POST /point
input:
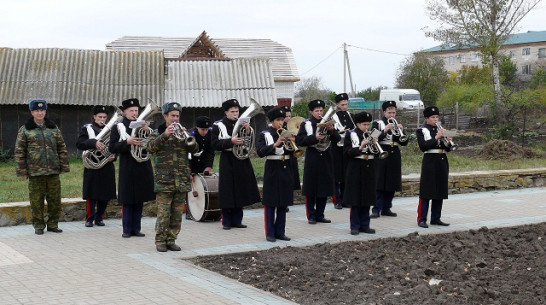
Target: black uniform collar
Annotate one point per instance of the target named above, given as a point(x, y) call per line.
point(30, 124)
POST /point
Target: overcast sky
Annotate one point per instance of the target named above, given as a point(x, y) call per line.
point(315, 30)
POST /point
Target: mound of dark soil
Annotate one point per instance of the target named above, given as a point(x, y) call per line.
point(505, 150)
point(498, 266)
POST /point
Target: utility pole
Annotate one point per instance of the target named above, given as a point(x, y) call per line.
point(347, 67)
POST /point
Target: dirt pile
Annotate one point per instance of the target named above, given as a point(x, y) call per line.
point(505, 150)
point(497, 266)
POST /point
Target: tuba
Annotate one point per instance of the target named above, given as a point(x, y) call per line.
point(95, 158)
point(242, 151)
point(445, 140)
point(181, 134)
point(374, 147)
point(139, 152)
point(396, 131)
point(322, 128)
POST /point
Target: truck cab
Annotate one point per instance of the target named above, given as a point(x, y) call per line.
point(404, 98)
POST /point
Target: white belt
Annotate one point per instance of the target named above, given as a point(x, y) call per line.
point(364, 157)
point(278, 157)
point(389, 143)
point(229, 149)
point(435, 151)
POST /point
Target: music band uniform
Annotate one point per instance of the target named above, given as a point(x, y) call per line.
point(318, 174)
point(278, 179)
point(204, 157)
point(99, 185)
point(344, 123)
point(237, 185)
point(41, 156)
point(433, 183)
point(389, 169)
point(293, 160)
point(172, 180)
point(361, 181)
point(136, 179)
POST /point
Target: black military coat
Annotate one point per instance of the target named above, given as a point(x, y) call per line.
point(278, 174)
point(389, 170)
point(344, 122)
point(318, 172)
point(435, 167)
point(294, 165)
point(136, 179)
point(360, 180)
point(237, 185)
point(98, 184)
point(205, 154)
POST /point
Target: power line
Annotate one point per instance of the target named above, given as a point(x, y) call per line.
point(379, 51)
point(321, 61)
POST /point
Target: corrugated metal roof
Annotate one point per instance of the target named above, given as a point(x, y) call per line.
point(282, 62)
point(520, 38)
point(80, 77)
point(208, 83)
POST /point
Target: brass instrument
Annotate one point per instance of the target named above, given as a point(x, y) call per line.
point(293, 125)
point(181, 134)
point(95, 158)
point(322, 128)
point(289, 145)
point(447, 142)
point(139, 152)
point(374, 147)
point(242, 151)
point(396, 131)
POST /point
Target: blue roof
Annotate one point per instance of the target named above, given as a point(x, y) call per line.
point(520, 38)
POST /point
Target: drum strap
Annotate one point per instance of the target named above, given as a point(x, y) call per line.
point(223, 131)
point(90, 131)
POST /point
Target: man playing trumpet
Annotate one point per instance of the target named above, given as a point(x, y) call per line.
point(389, 169)
point(172, 176)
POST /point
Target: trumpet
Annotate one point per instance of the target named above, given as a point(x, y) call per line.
point(181, 134)
point(396, 131)
point(374, 147)
point(447, 142)
point(289, 144)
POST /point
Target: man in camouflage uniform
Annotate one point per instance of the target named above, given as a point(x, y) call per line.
point(40, 156)
point(172, 178)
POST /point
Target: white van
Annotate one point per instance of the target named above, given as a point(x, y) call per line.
point(404, 98)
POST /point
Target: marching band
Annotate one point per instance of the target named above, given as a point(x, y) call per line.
point(352, 159)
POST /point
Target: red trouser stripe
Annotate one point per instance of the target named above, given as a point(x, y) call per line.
point(419, 216)
point(306, 210)
point(88, 208)
point(334, 199)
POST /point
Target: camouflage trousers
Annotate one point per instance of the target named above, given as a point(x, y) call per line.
point(169, 216)
point(48, 188)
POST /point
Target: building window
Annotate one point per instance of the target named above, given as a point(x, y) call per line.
point(474, 57)
point(451, 60)
point(526, 69)
point(462, 58)
point(526, 51)
point(541, 52)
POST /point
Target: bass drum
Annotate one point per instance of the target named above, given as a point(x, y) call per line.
point(204, 206)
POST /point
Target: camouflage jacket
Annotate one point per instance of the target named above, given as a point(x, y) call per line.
point(171, 163)
point(40, 150)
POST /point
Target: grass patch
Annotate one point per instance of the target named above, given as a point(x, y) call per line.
point(14, 189)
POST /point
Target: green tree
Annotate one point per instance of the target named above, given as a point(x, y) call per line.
point(311, 88)
point(424, 73)
point(481, 24)
point(539, 78)
point(371, 94)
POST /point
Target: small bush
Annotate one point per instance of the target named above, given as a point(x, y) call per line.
point(4, 155)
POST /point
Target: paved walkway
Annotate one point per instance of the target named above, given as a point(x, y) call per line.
point(97, 266)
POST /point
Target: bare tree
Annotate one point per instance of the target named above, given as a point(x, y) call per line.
point(481, 24)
